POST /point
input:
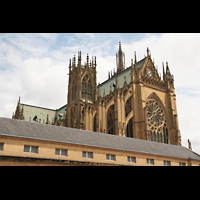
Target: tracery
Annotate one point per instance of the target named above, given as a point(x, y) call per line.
point(86, 88)
point(74, 88)
point(156, 121)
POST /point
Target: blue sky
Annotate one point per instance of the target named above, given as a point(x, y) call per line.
point(35, 67)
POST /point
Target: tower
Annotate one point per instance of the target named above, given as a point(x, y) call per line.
point(81, 92)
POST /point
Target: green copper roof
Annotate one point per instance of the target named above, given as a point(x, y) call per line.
point(31, 111)
point(122, 76)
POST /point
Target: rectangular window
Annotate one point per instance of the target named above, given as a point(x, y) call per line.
point(182, 164)
point(150, 161)
point(61, 152)
point(167, 163)
point(131, 159)
point(110, 157)
point(30, 149)
point(87, 154)
point(1, 146)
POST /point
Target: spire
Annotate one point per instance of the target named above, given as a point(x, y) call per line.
point(95, 62)
point(147, 51)
point(167, 69)
point(74, 61)
point(120, 47)
point(70, 65)
point(163, 71)
point(79, 58)
point(19, 101)
point(136, 67)
point(120, 59)
point(132, 63)
point(163, 68)
point(87, 59)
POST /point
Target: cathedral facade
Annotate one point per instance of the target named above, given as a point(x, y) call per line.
point(133, 102)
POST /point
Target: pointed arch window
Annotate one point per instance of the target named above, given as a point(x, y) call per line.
point(74, 88)
point(111, 120)
point(86, 88)
point(156, 121)
point(128, 106)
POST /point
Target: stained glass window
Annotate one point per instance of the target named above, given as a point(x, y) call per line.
point(156, 121)
point(86, 88)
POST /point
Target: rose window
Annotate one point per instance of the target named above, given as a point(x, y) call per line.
point(155, 114)
point(156, 121)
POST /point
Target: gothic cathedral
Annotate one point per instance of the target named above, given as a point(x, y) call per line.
point(133, 102)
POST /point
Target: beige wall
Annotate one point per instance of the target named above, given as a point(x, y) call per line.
point(14, 146)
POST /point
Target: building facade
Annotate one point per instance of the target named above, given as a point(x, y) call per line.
point(133, 102)
point(24, 143)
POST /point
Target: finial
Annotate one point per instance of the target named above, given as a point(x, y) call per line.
point(74, 61)
point(167, 68)
point(147, 51)
point(79, 58)
point(95, 61)
point(189, 145)
point(87, 59)
point(69, 62)
point(131, 62)
point(135, 57)
point(120, 47)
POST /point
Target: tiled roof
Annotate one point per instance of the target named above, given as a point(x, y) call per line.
point(35, 130)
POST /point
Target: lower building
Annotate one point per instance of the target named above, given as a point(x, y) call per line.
point(25, 143)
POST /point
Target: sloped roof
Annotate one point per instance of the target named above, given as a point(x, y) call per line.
point(33, 130)
point(32, 111)
point(127, 72)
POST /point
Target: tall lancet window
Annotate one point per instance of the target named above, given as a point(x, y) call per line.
point(111, 120)
point(87, 88)
point(156, 121)
point(74, 88)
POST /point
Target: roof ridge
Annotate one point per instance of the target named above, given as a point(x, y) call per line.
point(121, 72)
point(38, 107)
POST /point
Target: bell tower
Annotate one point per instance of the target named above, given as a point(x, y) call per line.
point(82, 89)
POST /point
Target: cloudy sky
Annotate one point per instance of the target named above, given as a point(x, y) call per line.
point(35, 67)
